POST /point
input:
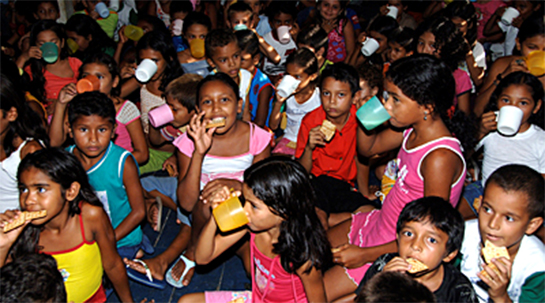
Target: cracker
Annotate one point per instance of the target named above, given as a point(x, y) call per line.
point(237, 300)
point(328, 129)
point(491, 251)
point(493, 267)
point(416, 266)
point(23, 217)
point(170, 170)
point(292, 145)
point(216, 122)
point(335, 250)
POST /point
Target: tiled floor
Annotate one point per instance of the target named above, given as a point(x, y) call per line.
point(222, 275)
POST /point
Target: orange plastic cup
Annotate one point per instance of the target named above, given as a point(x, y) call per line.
point(536, 63)
point(88, 84)
point(230, 215)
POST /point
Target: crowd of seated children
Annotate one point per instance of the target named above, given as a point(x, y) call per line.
point(443, 71)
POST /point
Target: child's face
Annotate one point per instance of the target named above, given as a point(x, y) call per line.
point(520, 96)
point(92, 134)
point(299, 73)
point(424, 242)
point(218, 100)
point(336, 98)
point(403, 110)
point(181, 115)
point(396, 52)
point(525, 8)
point(504, 218)
point(158, 58)
point(241, 18)
point(461, 24)
point(381, 39)
point(531, 44)
point(49, 36)
point(196, 31)
point(145, 26)
point(259, 215)
point(247, 61)
point(365, 93)
point(426, 44)
point(255, 5)
point(46, 11)
point(83, 42)
point(280, 19)
point(103, 75)
point(227, 59)
point(330, 9)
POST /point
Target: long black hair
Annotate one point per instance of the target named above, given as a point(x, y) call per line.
point(284, 186)
point(86, 26)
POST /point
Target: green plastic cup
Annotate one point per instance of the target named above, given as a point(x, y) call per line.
point(372, 114)
point(50, 52)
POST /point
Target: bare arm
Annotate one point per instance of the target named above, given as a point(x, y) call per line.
point(129, 86)
point(476, 72)
point(140, 147)
point(136, 200)
point(56, 128)
point(313, 282)
point(315, 138)
point(268, 50)
point(349, 40)
point(276, 114)
point(444, 161)
point(463, 103)
point(363, 177)
point(491, 27)
point(370, 144)
point(263, 106)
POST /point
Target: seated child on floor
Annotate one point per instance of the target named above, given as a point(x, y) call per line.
point(196, 27)
point(393, 286)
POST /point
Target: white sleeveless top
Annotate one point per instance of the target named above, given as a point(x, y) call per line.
point(9, 192)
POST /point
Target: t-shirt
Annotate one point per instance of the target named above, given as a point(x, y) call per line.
point(295, 113)
point(284, 50)
point(53, 83)
point(259, 82)
point(455, 286)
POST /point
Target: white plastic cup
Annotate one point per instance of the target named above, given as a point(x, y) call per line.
point(145, 70)
point(287, 86)
point(160, 116)
point(392, 12)
point(372, 113)
point(283, 34)
point(369, 46)
point(114, 5)
point(177, 26)
point(509, 14)
point(509, 119)
point(102, 10)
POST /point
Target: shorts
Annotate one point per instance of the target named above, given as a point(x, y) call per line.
point(284, 147)
point(336, 196)
point(471, 192)
point(129, 252)
point(155, 162)
point(227, 296)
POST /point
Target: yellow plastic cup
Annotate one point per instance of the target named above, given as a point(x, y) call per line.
point(536, 63)
point(196, 46)
point(72, 45)
point(133, 32)
point(230, 214)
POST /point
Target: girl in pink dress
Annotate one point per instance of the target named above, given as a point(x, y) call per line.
point(420, 90)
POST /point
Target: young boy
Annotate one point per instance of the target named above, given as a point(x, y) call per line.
point(261, 22)
point(332, 162)
point(430, 231)
point(111, 169)
point(510, 212)
point(261, 89)
point(315, 39)
point(392, 286)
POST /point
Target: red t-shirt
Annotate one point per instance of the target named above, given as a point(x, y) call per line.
point(337, 158)
point(54, 83)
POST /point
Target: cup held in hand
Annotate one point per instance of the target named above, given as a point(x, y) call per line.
point(160, 116)
point(196, 46)
point(287, 86)
point(102, 10)
point(369, 47)
point(145, 70)
point(536, 63)
point(509, 118)
point(509, 14)
point(230, 214)
point(392, 12)
point(177, 26)
point(283, 34)
point(240, 27)
point(72, 45)
point(89, 83)
point(372, 114)
point(50, 52)
point(133, 32)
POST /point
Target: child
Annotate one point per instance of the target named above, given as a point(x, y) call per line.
point(430, 163)
point(128, 131)
point(526, 147)
point(428, 230)
point(196, 26)
point(179, 10)
point(47, 79)
point(213, 158)
point(112, 170)
point(332, 163)
point(89, 37)
point(76, 230)
point(379, 29)
point(510, 212)
point(261, 89)
point(303, 66)
point(262, 27)
point(288, 247)
point(401, 44)
point(392, 286)
point(46, 10)
point(404, 19)
point(315, 39)
point(108, 24)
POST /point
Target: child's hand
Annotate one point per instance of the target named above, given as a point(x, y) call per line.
point(315, 138)
point(360, 99)
point(397, 264)
point(7, 239)
point(171, 161)
point(498, 282)
point(212, 188)
point(201, 137)
point(349, 256)
point(122, 37)
point(221, 195)
point(35, 52)
point(94, 14)
point(516, 65)
point(67, 93)
point(517, 22)
point(488, 123)
point(128, 70)
point(362, 37)
point(294, 30)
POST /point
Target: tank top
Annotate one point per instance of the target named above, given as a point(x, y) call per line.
point(271, 283)
point(81, 268)
point(9, 193)
point(147, 102)
point(336, 51)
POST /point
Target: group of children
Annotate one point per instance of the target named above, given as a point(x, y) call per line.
point(100, 167)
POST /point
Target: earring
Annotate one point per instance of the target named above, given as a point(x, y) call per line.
point(425, 115)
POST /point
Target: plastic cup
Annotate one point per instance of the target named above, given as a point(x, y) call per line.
point(72, 45)
point(369, 47)
point(50, 52)
point(196, 46)
point(177, 26)
point(114, 5)
point(509, 14)
point(160, 116)
point(88, 84)
point(230, 215)
point(102, 10)
point(372, 114)
point(392, 12)
point(509, 119)
point(240, 27)
point(287, 86)
point(133, 32)
point(536, 63)
point(145, 70)
point(283, 34)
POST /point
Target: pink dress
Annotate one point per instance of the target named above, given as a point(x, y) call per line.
point(484, 11)
point(379, 226)
point(336, 50)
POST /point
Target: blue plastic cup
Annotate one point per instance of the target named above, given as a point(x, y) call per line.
point(372, 114)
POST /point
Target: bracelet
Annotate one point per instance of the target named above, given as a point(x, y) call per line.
point(499, 77)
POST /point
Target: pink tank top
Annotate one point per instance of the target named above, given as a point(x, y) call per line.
point(271, 283)
point(336, 50)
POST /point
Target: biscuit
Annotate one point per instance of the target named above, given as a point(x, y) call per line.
point(328, 129)
point(416, 266)
point(216, 122)
point(491, 251)
point(23, 217)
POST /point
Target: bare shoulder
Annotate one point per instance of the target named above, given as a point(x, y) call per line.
point(30, 147)
point(92, 213)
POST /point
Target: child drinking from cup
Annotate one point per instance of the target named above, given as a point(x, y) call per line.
point(196, 28)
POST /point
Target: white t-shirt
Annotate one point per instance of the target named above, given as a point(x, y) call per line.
point(295, 113)
point(284, 50)
point(527, 148)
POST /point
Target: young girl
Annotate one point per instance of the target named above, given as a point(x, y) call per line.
point(438, 37)
point(21, 133)
point(209, 159)
point(129, 133)
point(420, 90)
point(47, 79)
point(288, 248)
point(330, 15)
point(76, 231)
point(196, 26)
point(89, 36)
point(303, 66)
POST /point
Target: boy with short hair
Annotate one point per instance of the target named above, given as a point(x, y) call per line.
point(333, 163)
point(315, 38)
point(510, 212)
point(429, 230)
point(392, 286)
point(261, 89)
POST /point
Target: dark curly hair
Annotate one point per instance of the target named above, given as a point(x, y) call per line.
point(466, 11)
